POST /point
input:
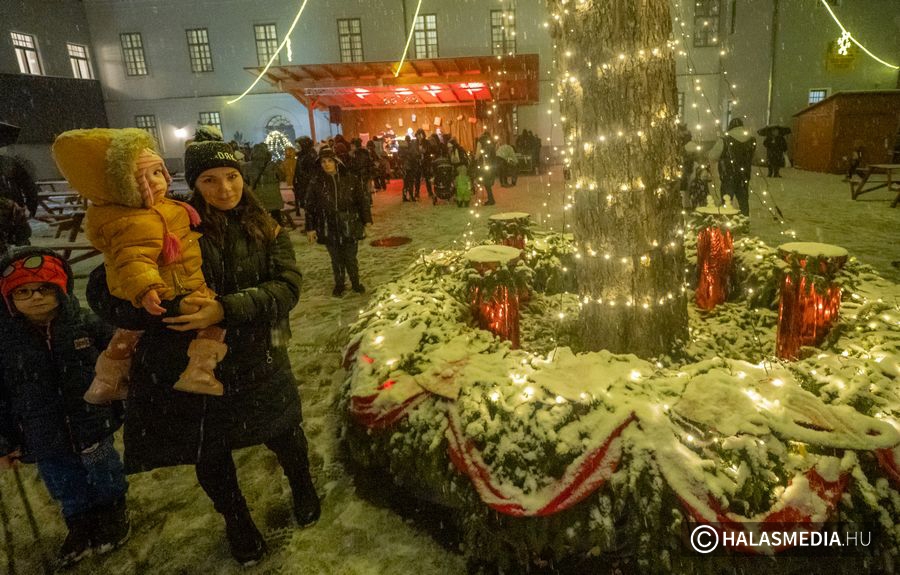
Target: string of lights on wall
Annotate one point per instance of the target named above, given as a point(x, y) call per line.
point(846, 38)
point(287, 39)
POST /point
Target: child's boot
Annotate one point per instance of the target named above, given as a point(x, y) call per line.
point(112, 526)
point(77, 545)
point(110, 380)
point(198, 376)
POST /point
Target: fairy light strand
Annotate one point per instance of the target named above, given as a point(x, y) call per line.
point(287, 38)
point(412, 31)
point(845, 34)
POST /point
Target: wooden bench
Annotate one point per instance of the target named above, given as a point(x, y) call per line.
point(74, 252)
point(891, 181)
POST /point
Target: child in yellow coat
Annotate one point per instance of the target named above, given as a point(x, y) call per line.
point(150, 252)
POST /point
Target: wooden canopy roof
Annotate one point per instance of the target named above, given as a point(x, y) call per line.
point(427, 82)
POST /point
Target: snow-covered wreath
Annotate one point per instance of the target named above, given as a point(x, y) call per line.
point(546, 453)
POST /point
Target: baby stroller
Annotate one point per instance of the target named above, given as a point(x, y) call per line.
point(444, 180)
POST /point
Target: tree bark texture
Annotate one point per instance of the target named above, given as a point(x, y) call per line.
point(618, 100)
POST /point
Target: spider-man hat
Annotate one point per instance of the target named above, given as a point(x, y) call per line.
point(30, 265)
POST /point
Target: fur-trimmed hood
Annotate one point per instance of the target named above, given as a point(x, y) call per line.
point(100, 163)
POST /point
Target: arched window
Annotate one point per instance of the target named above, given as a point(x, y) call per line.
point(281, 124)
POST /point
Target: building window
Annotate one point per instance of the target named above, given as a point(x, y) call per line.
point(81, 64)
point(211, 119)
point(816, 96)
point(706, 22)
point(350, 38)
point(681, 106)
point(198, 50)
point(503, 32)
point(26, 53)
point(133, 51)
point(148, 122)
point(266, 43)
point(426, 36)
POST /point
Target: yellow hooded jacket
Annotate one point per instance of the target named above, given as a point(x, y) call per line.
point(100, 164)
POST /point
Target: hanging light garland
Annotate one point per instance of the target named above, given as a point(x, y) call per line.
point(287, 39)
point(847, 37)
point(412, 31)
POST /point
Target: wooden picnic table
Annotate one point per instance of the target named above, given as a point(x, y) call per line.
point(891, 173)
point(82, 250)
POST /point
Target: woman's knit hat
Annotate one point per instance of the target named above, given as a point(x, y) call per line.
point(202, 156)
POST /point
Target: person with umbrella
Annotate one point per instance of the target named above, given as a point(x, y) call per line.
point(776, 146)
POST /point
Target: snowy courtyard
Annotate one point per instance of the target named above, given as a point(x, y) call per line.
point(175, 529)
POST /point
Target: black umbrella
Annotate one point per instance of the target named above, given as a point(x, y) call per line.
point(765, 131)
point(8, 134)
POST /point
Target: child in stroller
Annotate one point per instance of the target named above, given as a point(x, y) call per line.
point(444, 180)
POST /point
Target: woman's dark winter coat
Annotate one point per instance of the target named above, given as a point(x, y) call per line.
point(337, 208)
point(44, 373)
point(776, 146)
point(257, 287)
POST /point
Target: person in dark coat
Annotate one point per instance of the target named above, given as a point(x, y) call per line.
point(776, 146)
point(50, 345)
point(410, 164)
point(337, 211)
point(362, 166)
point(306, 167)
point(248, 260)
point(424, 154)
point(14, 228)
point(17, 184)
point(488, 162)
point(732, 155)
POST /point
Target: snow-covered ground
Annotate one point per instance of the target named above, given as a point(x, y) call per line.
point(175, 529)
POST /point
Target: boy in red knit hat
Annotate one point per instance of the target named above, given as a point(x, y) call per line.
point(151, 251)
point(50, 345)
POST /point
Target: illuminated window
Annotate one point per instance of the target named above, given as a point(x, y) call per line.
point(816, 96)
point(211, 119)
point(26, 53)
point(198, 50)
point(681, 105)
point(350, 39)
point(80, 61)
point(266, 43)
point(426, 39)
point(148, 122)
point(706, 22)
point(133, 52)
point(503, 32)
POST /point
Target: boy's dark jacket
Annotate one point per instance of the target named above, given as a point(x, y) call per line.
point(44, 374)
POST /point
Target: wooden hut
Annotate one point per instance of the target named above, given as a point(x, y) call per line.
point(825, 133)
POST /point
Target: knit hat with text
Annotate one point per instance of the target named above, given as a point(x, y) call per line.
point(202, 156)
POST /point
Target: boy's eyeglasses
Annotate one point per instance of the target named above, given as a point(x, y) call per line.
point(24, 293)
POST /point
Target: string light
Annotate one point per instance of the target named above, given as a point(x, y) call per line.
point(287, 38)
point(412, 30)
point(845, 36)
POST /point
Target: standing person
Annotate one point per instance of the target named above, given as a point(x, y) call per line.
point(507, 166)
point(306, 168)
point(289, 165)
point(487, 160)
point(536, 153)
point(14, 228)
point(337, 212)
point(424, 155)
point(16, 183)
point(456, 154)
point(776, 147)
point(378, 171)
point(361, 165)
point(409, 163)
point(50, 345)
point(248, 260)
point(264, 178)
point(732, 155)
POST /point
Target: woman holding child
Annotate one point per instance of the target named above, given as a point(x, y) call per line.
point(248, 261)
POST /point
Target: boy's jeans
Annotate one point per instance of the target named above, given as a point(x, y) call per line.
point(83, 482)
